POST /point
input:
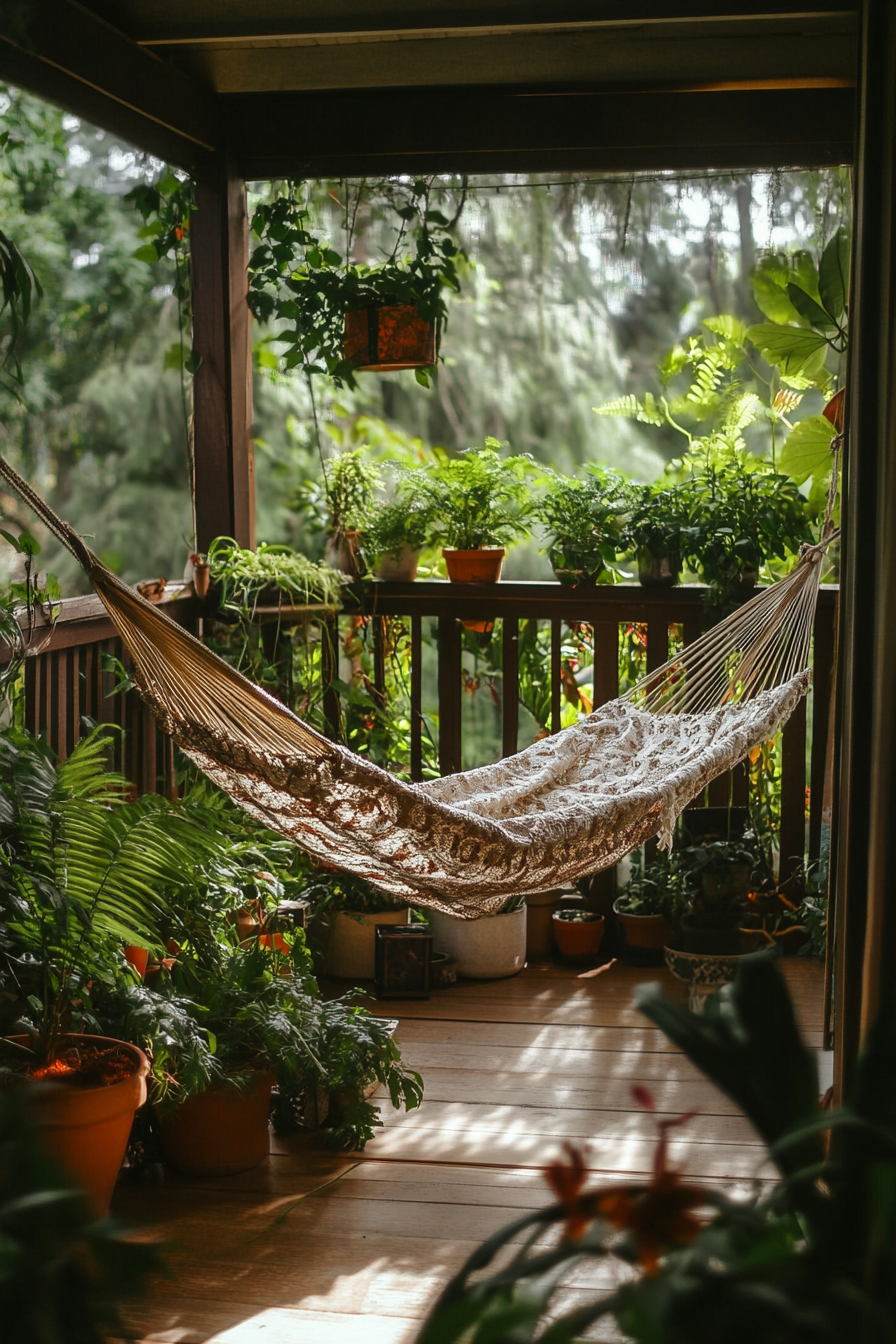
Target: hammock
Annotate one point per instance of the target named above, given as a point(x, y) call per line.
point(567, 806)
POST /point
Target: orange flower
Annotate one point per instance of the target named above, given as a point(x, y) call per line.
point(566, 1180)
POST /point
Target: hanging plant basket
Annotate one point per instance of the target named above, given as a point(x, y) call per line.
point(388, 339)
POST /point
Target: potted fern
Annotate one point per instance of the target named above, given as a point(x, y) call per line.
point(655, 531)
point(584, 518)
point(481, 503)
point(394, 539)
point(83, 872)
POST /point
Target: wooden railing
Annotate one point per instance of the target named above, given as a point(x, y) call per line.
point(66, 681)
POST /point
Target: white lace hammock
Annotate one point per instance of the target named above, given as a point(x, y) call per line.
point(567, 806)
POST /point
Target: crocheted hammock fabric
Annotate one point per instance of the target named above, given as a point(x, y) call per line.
point(567, 806)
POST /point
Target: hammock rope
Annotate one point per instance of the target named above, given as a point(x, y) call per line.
point(565, 807)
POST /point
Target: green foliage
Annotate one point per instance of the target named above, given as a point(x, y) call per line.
point(397, 526)
point(299, 281)
point(82, 870)
point(812, 1259)
point(18, 286)
point(584, 518)
point(659, 518)
point(807, 307)
point(807, 449)
point(63, 1273)
point(166, 209)
point(244, 576)
point(663, 886)
point(477, 499)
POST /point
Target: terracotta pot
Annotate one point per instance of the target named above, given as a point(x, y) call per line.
point(219, 1132)
point(388, 339)
point(540, 907)
point(578, 939)
point(480, 566)
point(352, 947)
point(341, 553)
point(248, 920)
point(138, 957)
point(400, 568)
point(658, 571)
point(86, 1129)
point(643, 934)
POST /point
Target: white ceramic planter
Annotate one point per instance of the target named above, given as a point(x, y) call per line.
point(352, 943)
point(484, 949)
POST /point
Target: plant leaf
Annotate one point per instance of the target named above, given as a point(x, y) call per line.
point(833, 273)
point(807, 449)
point(792, 349)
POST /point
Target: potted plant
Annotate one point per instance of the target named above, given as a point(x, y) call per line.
point(344, 317)
point(651, 904)
point(490, 948)
point(653, 532)
point(480, 502)
point(394, 539)
point(342, 507)
point(584, 517)
point(578, 933)
point(83, 872)
point(344, 911)
point(745, 513)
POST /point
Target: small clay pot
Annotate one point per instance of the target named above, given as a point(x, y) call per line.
point(645, 935)
point(578, 933)
point(202, 577)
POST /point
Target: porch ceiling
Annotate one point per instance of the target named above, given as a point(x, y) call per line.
point(293, 87)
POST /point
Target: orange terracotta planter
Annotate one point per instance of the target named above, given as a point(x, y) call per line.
point(219, 1132)
point(644, 932)
point(86, 1129)
point(579, 939)
point(388, 339)
point(482, 566)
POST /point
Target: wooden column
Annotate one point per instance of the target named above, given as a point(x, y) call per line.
point(223, 461)
point(866, 711)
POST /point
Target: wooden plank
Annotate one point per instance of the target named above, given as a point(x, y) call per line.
point(606, 662)
point(450, 726)
point(793, 792)
point(521, 1035)
point(510, 701)
point(556, 682)
point(416, 715)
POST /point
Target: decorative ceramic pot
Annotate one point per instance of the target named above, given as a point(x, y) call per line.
point(578, 933)
point(388, 338)
point(86, 1129)
point(443, 970)
point(703, 973)
point(540, 907)
point(490, 948)
point(352, 947)
point(644, 936)
point(219, 1132)
point(658, 571)
point(400, 568)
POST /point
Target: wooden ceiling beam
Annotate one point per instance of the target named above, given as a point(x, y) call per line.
point(377, 133)
point(62, 52)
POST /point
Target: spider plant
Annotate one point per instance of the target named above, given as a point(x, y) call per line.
point(82, 871)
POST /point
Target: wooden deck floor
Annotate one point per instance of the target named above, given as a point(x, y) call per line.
point(317, 1248)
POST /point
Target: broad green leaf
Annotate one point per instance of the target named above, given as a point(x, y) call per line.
point(770, 281)
point(146, 253)
point(192, 361)
point(809, 309)
point(793, 349)
point(173, 357)
point(807, 449)
point(833, 273)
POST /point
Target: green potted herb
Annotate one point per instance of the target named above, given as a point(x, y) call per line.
point(744, 514)
point(654, 531)
point(84, 871)
point(394, 539)
point(342, 507)
point(584, 518)
point(272, 574)
point(480, 502)
point(342, 317)
point(650, 905)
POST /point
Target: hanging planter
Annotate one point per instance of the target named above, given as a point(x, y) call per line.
point(388, 339)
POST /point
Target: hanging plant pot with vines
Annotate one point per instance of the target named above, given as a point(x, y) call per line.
point(340, 317)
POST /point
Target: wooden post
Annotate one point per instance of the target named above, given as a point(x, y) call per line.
point(866, 707)
point(223, 461)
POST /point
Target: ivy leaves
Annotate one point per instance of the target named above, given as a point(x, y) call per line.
point(807, 310)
